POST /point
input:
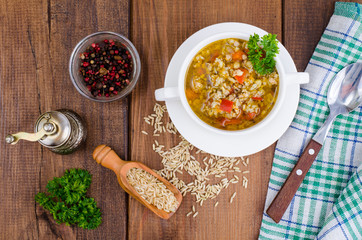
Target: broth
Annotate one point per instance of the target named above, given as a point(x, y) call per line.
point(224, 91)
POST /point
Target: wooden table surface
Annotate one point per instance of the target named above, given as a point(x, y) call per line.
point(36, 40)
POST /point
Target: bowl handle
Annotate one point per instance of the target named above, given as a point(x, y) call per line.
point(164, 94)
point(297, 78)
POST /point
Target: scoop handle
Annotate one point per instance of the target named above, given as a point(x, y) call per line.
point(108, 158)
point(285, 195)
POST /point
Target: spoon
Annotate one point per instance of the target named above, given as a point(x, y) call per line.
point(105, 156)
point(344, 95)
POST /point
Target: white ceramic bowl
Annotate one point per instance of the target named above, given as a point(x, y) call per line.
point(289, 81)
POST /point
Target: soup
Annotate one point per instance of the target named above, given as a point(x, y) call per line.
point(224, 91)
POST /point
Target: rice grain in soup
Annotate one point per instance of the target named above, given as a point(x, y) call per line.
point(223, 89)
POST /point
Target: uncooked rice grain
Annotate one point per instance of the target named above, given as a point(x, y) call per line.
point(232, 197)
point(180, 158)
point(152, 190)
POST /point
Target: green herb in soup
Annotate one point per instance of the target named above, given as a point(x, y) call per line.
point(225, 91)
point(262, 52)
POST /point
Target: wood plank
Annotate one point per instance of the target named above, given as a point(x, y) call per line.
point(36, 39)
point(158, 28)
point(304, 24)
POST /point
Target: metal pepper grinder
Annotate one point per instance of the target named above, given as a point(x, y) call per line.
point(61, 131)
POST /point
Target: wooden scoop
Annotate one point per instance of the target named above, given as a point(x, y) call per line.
point(105, 156)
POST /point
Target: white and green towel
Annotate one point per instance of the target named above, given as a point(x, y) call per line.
point(328, 204)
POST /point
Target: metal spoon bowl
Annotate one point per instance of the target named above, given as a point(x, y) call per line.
point(344, 95)
point(346, 89)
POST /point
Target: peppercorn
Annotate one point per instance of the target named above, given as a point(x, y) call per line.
point(106, 68)
point(99, 85)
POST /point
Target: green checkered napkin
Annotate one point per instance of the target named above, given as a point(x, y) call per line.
point(328, 204)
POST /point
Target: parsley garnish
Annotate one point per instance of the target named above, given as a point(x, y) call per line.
point(262, 52)
point(67, 200)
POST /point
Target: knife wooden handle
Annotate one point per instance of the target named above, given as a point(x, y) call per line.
point(285, 195)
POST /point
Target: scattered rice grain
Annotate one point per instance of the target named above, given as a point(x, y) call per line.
point(232, 197)
point(180, 158)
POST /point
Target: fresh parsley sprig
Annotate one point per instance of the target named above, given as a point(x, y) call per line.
point(67, 200)
point(262, 52)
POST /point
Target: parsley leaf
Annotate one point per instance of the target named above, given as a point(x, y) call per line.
point(262, 52)
point(67, 200)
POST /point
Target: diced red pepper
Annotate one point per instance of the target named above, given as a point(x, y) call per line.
point(241, 78)
point(257, 98)
point(226, 105)
point(225, 121)
point(251, 115)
